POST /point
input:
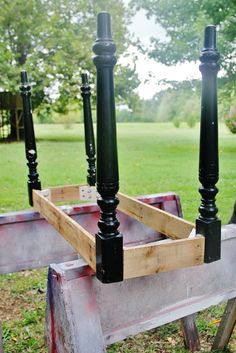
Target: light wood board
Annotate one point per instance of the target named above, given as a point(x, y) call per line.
point(139, 260)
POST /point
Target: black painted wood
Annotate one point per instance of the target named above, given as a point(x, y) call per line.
point(30, 144)
point(109, 241)
point(208, 223)
point(88, 130)
point(233, 217)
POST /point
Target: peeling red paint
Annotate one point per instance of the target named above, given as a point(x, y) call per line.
point(86, 271)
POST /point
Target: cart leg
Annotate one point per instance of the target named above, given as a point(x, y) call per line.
point(190, 332)
point(226, 326)
point(72, 318)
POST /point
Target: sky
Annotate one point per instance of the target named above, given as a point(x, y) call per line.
point(151, 72)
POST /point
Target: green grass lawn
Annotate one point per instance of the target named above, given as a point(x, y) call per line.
point(153, 158)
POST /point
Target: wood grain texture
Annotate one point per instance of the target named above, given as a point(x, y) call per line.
point(141, 260)
point(159, 220)
point(163, 222)
point(226, 326)
point(80, 239)
point(190, 333)
point(65, 193)
point(68, 193)
point(163, 256)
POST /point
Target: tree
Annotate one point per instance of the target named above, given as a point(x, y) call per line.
point(126, 81)
point(178, 103)
point(184, 22)
point(52, 40)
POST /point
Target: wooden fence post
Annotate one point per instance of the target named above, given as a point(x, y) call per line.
point(109, 241)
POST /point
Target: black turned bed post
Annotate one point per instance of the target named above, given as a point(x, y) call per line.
point(30, 144)
point(233, 217)
point(109, 241)
point(88, 130)
point(208, 223)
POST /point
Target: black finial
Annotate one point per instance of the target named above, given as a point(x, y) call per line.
point(88, 130)
point(24, 77)
point(208, 223)
point(104, 26)
point(30, 144)
point(109, 241)
point(210, 38)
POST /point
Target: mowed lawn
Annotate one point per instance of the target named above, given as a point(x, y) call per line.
point(153, 158)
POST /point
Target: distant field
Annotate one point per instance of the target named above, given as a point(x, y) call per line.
point(153, 158)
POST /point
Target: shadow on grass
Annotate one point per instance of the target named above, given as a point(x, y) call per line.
point(63, 138)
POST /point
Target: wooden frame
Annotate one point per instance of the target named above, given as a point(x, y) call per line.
point(181, 249)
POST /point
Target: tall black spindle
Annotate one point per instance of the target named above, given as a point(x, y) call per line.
point(109, 241)
point(233, 217)
point(88, 130)
point(208, 223)
point(30, 144)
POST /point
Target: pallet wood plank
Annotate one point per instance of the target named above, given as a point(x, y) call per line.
point(162, 256)
point(62, 193)
point(81, 240)
point(139, 260)
point(157, 219)
point(68, 193)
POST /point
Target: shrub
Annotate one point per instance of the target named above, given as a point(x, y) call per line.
point(68, 119)
point(230, 120)
point(124, 116)
point(44, 114)
point(191, 120)
point(176, 121)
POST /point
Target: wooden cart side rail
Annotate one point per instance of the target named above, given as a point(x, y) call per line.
point(163, 256)
point(157, 219)
point(80, 239)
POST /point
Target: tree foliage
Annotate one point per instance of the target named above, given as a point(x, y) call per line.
point(177, 104)
point(52, 40)
point(184, 23)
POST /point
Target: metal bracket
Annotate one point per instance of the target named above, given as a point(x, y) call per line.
point(88, 193)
